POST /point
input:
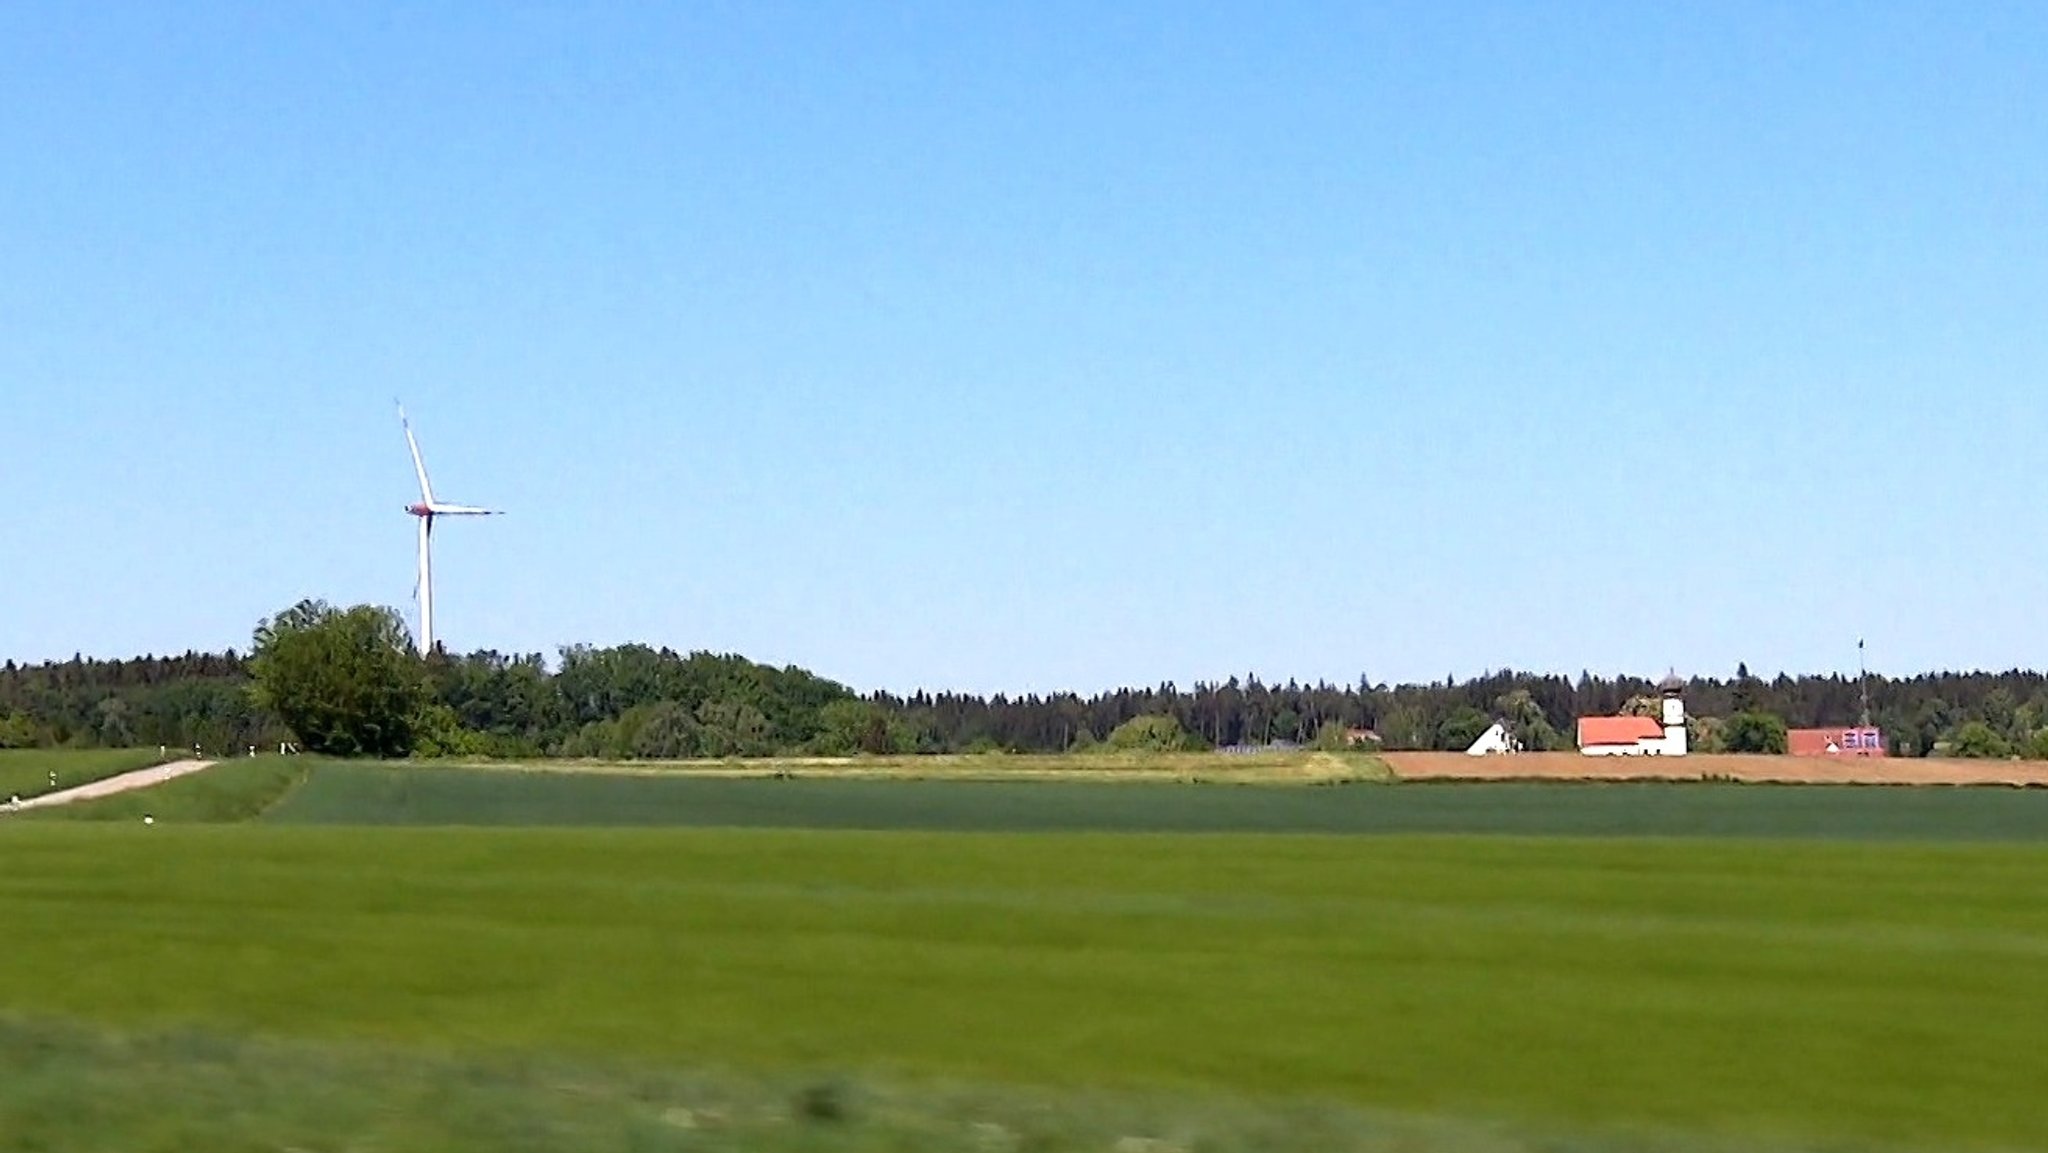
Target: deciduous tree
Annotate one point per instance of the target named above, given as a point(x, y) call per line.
point(346, 682)
point(1753, 732)
point(1149, 733)
point(1977, 739)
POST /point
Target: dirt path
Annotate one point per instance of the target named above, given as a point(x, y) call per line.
point(1786, 770)
point(139, 779)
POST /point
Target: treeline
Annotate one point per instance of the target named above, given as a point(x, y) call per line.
point(198, 699)
point(1924, 715)
point(636, 701)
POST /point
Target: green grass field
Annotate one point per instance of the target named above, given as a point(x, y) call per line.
point(1835, 977)
point(63, 1086)
point(26, 772)
point(370, 795)
point(1780, 992)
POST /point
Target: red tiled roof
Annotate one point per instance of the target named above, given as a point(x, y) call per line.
point(1618, 730)
point(1810, 742)
point(1815, 742)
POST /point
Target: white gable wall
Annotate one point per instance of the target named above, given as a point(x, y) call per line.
point(1493, 740)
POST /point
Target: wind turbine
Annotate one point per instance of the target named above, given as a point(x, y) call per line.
point(426, 510)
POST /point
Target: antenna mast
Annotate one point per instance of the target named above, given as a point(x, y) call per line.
point(1863, 681)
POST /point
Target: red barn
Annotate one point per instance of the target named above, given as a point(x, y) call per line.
point(1856, 741)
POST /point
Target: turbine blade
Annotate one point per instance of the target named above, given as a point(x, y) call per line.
point(461, 510)
point(419, 466)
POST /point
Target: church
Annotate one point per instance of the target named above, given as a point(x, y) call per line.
point(1639, 736)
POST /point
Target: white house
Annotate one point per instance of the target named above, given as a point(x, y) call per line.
point(1639, 736)
point(1494, 740)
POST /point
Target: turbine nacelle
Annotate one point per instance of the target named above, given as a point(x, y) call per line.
point(438, 509)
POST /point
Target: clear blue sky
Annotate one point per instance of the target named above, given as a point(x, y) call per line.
point(1021, 347)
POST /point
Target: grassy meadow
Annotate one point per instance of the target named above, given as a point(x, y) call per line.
point(327, 956)
point(1778, 991)
point(26, 772)
point(361, 794)
point(65, 1086)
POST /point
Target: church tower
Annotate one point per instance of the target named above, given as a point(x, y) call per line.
point(1672, 689)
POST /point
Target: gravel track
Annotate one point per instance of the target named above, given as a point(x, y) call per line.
point(139, 779)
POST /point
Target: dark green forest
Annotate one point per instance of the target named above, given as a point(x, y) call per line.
point(636, 701)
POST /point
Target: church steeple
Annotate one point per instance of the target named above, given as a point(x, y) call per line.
point(1672, 689)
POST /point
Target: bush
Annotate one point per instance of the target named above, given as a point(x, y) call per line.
point(1461, 728)
point(1151, 733)
point(1977, 739)
point(1753, 732)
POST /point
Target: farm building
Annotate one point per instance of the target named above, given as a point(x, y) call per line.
point(1855, 741)
point(1639, 736)
point(1494, 740)
point(1620, 736)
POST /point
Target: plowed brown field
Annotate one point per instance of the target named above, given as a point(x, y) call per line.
point(1790, 770)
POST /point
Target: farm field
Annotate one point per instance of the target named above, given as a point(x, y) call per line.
point(26, 772)
point(1754, 769)
point(1296, 767)
point(357, 794)
point(690, 960)
point(1497, 992)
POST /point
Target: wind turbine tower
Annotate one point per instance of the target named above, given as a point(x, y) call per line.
point(427, 510)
